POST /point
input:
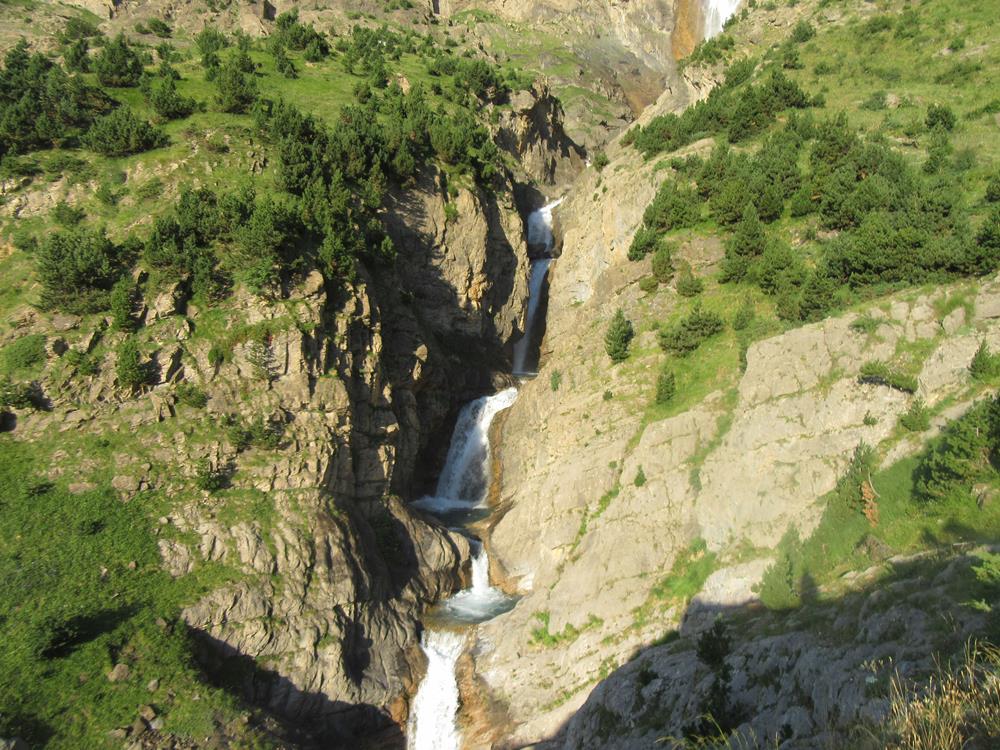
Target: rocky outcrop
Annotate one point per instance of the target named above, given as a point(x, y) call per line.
point(532, 132)
point(815, 678)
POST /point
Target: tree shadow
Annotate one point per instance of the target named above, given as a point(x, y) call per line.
point(887, 620)
point(308, 720)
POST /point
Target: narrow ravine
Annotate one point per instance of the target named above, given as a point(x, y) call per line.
point(459, 501)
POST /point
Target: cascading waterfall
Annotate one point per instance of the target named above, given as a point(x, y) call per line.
point(462, 487)
point(463, 481)
point(717, 12)
point(432, 721)
point(539, 233)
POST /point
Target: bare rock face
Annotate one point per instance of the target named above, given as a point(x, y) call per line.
point(532, 131)
point(810, 690)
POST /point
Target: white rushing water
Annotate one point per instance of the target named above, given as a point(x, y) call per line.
point(539, 269)
point(717, 12)
point(464, 480)
point(433, 724)
point(481, 601)
point(539, 233)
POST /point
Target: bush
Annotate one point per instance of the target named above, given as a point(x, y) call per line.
point(803, 32)
point(618, 337)
point(985, 364)
point(24, 353)
point(648, 284)
point(600, 161)
point(691, 332)
point(123, 302)
point(66, 215)
point(191, 395)
point(237, 89)
point(555, 380)
point(167, 102)
point(878, 372)
point(666, 386)
point(122, 133)
point(77, 270)
point(644, 241)
point(15, 395)
point(688, 285)
point(993, 189)
point(117, 64)
point(940, 116)
point(663, 264)
point(640, 478)
point(962, 457)
point(744, 315)
point(209, 478)
point(131, 372)
point(917, 418)
point(160, 28)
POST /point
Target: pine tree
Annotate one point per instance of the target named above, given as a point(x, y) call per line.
point(618, 337)
point(666, 386)
point(747, 242)
point(129, 368)
point(663, 264)
point(985, 364)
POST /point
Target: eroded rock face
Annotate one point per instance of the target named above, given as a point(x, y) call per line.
point(532, 132)
point(807, 689)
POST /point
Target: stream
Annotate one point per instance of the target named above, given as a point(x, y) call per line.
point(460, 500)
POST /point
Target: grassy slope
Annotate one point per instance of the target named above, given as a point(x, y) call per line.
point(59, 697)
point(914, 71)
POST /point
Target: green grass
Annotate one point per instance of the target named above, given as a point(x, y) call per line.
point(687, 575)
point(99, 597)
point(904, 525)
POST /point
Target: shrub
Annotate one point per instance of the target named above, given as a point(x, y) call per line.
point(237, 89)
point(66, 215)
point(121, 133)
point(117, 64)
point(666, 386)
point(744, 315)
point(803, 32)
point(880, 373)
point(160, 28)
point(77, 269)
point(691, 331)
point(618, 337)
point(940, 116)
point(648, 284)
point(917, 418)
point(688, 285)
point(746, 243)
point(123, 302)
point(191, 395)
point(952, 466)
point(640, 478)
point(283, 63)
point(555, 380)
point(600, 161)
point(644, 241)
point(15, 395)
point(131, 372)
point(993, 189)
point(167, 102)
point(663, 264)
point(985, 365)
point(209, 478)
point(24, 353)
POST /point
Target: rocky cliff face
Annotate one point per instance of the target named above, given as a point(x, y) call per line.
point(585, 541)
point(326, 571)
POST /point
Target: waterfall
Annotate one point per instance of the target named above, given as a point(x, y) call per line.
point(465, 478)
point(539, 233)
point(433, 724)
point(481, 601)
point(717, 12)
point(539, 269)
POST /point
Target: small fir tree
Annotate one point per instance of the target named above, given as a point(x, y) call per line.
point(618, 337)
